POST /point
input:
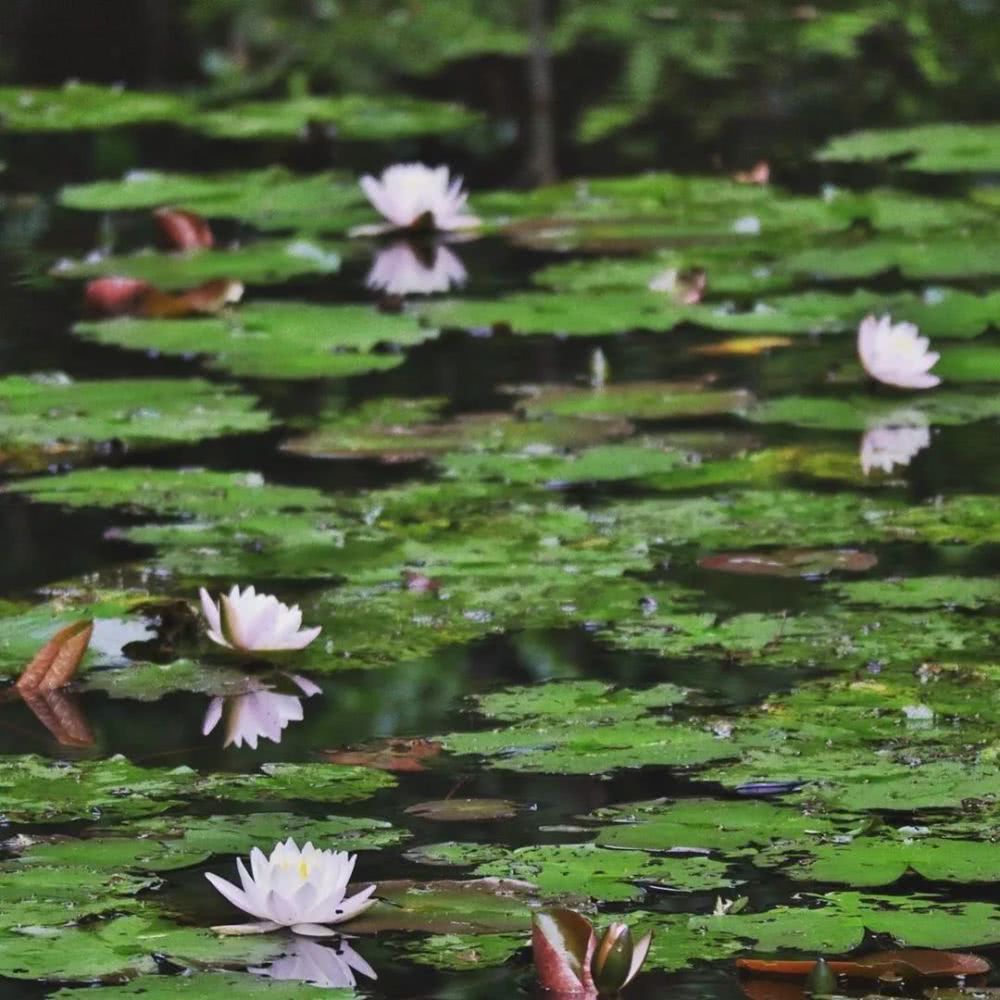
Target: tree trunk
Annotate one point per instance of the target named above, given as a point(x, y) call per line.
point(540, 167)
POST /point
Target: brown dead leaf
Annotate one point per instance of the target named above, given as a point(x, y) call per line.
point(205, 300)
point(57, 661)
point(399, 755)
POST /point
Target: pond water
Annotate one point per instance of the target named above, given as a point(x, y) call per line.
point(613, 533)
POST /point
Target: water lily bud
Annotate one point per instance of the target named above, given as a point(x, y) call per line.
point(821, 982)
point(612, 962)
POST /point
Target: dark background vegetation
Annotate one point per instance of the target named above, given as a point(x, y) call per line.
point(572, 86)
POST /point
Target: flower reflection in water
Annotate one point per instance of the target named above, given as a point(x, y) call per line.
point(402, 269)
point(327, 965)
point(894, 440)
point(259, 714)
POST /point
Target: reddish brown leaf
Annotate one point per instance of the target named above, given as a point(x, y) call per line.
point(399, 755)
point(902, 964)
point(57, 661)
point(207, 299)
point(115, 296)
point(184, 230)
point(790, 562)
point(61, 716)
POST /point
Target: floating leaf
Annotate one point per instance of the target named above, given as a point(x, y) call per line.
point(790, 562)
point(85, 106)
point(940, 148)
point(274, 339)
point(56, 663)
point(463, 810)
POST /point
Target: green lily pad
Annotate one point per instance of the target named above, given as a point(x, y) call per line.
point(164, 844)
point(38, 791)
point(123, 947)
point(457, 952)
point(637, 400)
point(55, 895)
point(936, 149)
point(273, 339)
point(477, 906)
point(59, 413)
point(921, 592)
point(85, 106)
point(603, 736)
point(701, 824)
point(882, 860)
point(272, 199)
point(573, 870)
point(858, 413)
point(263, 262)
point(410, 429)
point(368, 117)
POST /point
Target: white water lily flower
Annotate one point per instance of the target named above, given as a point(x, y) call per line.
point(254, 622)
point(896, 354)
point(413, 194)
point(399, 270)
point(301, 889)
point(259, 714)
point(896, 440)
point(326, 965)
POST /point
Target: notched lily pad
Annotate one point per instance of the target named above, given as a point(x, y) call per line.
point(463, 810)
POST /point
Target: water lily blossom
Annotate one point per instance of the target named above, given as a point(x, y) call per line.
point(895, 440)
point(300, 889)
point(571, 960)
point(896, 354)
point(255, 623)
point(400, 270)
point(259, 714)
point(413, 195)
point(330, 966)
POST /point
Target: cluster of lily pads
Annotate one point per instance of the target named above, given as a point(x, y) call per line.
point(833, 723)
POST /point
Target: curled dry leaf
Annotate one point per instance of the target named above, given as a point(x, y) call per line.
point(884, 966)
point(57, 661)
point(399, 755)
point(184, 230)
point(207, 299)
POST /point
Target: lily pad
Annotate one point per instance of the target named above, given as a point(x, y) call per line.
point(85, 106)
point(939, 148)
point(574, 870)
point(478, 906)
point(465, 951)
point(273, 339)
point(368, 117)
point(59, 413)
point(463, 810)
point(272, 199)
point(165, 844)
point(263, 262)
